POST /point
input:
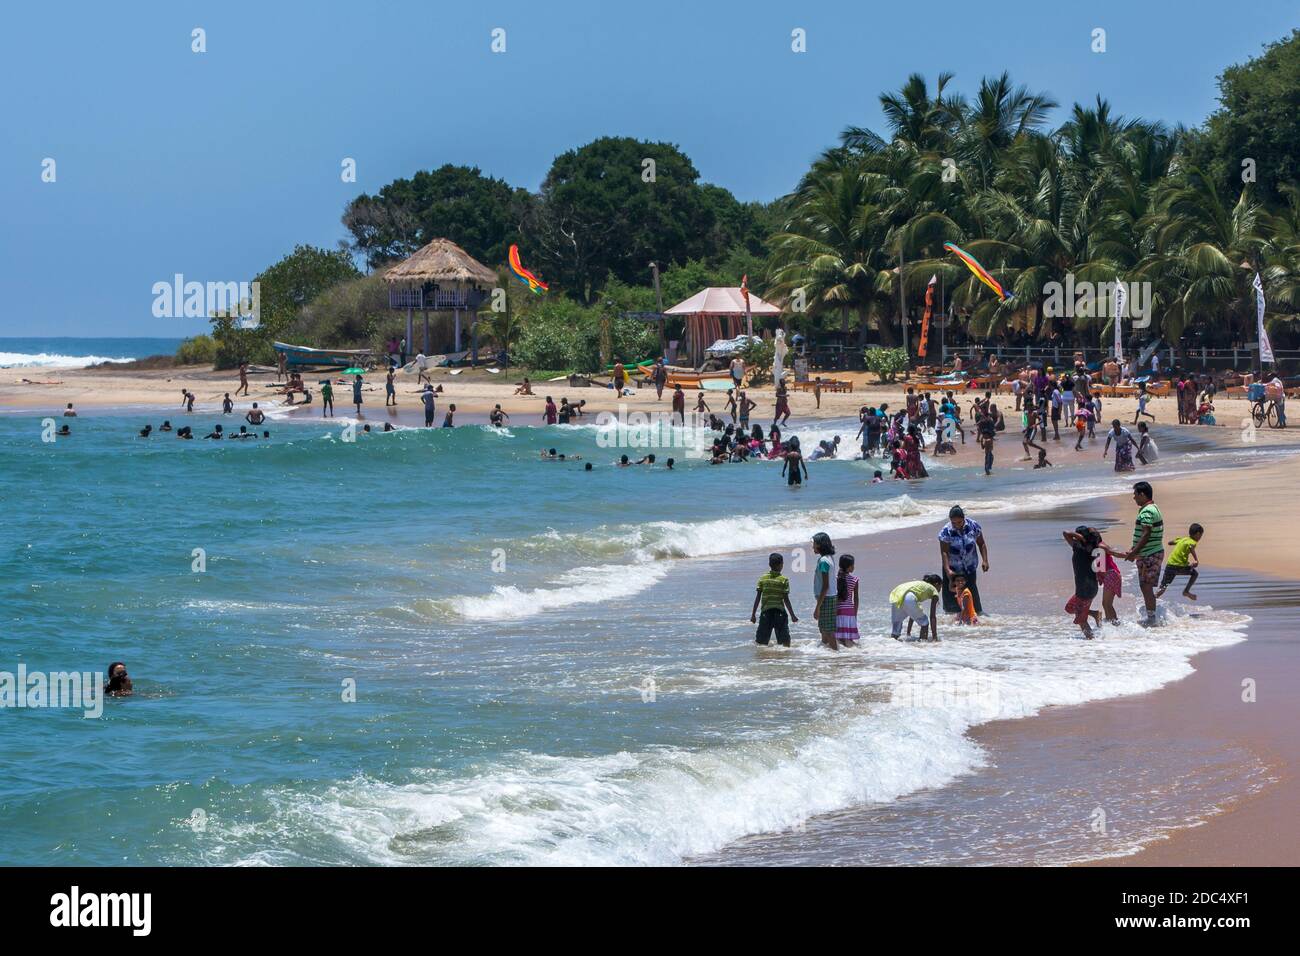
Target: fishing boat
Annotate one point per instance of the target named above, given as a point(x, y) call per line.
point(300, 356)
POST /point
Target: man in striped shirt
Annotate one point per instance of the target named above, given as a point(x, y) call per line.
point(1148, 549)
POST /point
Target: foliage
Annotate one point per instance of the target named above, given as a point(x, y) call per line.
point(1258, 119)
point(562, 334)
point(479, 213)
point(599, 214)
point(759, 356)
point(199, 350)
point(886, 363)
point(285, 288)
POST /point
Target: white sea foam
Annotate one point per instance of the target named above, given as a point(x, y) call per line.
point(666, 805)
point(579, 586)
point(54, 360)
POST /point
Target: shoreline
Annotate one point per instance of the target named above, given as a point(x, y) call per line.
point(1195, 725)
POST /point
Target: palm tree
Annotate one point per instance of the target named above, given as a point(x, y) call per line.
point(831, 247)
point(1199, 240)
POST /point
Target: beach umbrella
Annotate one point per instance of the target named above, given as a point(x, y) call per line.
point(353, 371)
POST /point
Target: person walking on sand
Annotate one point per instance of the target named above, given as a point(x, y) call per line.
point(659, 375)
point(356, 393)
point(326, 399)
point(824, 607)
point(422, 369)
point(962, 550)
point(1148, 549)
point(243, 378)
point(390, 390)
point(737, 371)
point(782, 414)
point(772, 602)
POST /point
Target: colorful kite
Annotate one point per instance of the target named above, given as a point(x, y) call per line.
point(526, 277)
point(979, 271)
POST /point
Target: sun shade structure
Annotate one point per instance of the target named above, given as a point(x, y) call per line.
point(440, 277)
point(717, 313)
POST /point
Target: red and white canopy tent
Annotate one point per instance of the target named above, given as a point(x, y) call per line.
point(717, 313)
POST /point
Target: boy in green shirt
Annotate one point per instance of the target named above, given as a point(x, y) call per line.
point(773, 594)
point(1183, 560)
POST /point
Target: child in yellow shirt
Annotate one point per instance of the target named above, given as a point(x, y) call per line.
point(1183, 560)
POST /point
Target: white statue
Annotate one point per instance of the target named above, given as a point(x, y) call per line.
point(778, 363)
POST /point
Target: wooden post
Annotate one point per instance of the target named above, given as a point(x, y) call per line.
point(410, 328)
point(426, 330)
point(659, 306)
point(457, 348)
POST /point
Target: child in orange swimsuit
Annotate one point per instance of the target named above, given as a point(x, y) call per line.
point(965, 600)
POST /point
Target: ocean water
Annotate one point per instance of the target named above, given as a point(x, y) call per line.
point(549, 665)
point(67, 351)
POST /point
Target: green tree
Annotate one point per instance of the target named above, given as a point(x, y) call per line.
point(1258, 120)
point(611, 207)
point(479, 213)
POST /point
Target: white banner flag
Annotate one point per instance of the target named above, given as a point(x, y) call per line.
point(1121, 300)
point(1265, 346)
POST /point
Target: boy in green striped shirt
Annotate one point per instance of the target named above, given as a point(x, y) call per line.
point(773, 594)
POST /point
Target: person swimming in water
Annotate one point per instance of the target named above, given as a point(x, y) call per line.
point(146, 431)
point(498, 418)
point(215, 433)
point(119, 682)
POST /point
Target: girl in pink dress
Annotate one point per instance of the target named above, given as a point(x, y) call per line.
point(846, 608)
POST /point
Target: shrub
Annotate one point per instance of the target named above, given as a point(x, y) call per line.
point(199, 350)
point(759, 356)
point(886, 363)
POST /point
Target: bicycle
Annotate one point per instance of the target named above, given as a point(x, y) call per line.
point(1265, 410)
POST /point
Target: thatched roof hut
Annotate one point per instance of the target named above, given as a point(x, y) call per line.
point(442, 262)
point(441, 277)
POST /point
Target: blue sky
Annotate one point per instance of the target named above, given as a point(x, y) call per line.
point(214, 165)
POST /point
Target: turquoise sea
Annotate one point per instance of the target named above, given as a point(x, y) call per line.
point(431, 647)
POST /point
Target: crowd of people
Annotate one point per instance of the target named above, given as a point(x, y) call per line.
point(963, 556)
